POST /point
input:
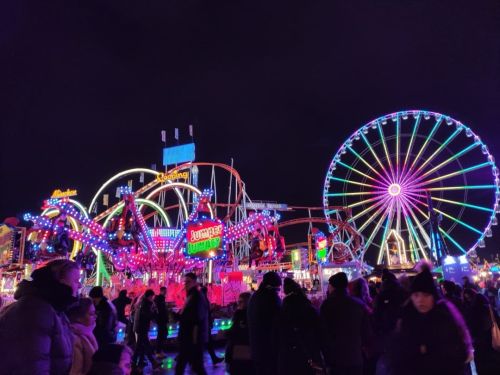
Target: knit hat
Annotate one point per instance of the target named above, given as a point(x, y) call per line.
point(339, 280)
point(424, 282)
point(272, 279)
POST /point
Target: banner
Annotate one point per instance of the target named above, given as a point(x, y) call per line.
point(6, 243)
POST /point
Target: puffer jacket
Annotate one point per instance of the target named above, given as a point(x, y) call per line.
point(35, 337)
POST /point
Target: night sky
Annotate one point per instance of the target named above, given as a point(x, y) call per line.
point(87, 86)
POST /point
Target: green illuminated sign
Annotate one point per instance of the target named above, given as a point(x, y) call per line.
point(202, 246)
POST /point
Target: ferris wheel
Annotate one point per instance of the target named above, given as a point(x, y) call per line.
point(393, 169)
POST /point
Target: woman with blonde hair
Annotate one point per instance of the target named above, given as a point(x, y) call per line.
point(82, 317)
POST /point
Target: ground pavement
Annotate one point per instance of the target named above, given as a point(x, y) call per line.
point(168, 366)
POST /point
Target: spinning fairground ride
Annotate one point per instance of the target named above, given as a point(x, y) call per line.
point(416, 185)
point(165, 226)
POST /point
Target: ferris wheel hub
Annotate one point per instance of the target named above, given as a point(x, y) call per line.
point(394, 190)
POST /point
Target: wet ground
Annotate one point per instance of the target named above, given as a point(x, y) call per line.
point(168, 365)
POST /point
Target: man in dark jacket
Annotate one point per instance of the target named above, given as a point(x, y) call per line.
point(193, 328)
point(142, 322)
point(263, 311)
point(299, 329)
point(161, 320)
point(105, 327)
point(120, 303)
point(346, 328)
point(387, 310)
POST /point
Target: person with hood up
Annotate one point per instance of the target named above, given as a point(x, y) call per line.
point(299, 329)
point(105, 328)
point(345, 327)
point(82, 317)
point(431, 336)
point(35, 337)
point(263, 312)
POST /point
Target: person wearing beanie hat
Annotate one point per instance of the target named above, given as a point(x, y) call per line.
point(424, 292)
point(299, 329)
point(345, 328)
point(263, 311)
point(431, 336)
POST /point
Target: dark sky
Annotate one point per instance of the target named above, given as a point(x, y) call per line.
point(87, 86)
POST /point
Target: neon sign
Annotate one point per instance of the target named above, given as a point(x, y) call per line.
point(58, 193)
point(175, 175)
point(204, 238)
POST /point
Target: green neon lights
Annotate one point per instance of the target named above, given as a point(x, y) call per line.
point(212, 244)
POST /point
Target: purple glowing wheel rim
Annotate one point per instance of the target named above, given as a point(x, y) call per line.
point(384, 171)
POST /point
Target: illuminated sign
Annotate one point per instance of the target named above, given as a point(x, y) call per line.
point(296, 259)
point(204, 239)
point(178, 154)
point(58, 193)
point(164, 177)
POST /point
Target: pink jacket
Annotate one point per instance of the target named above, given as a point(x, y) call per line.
point(84, 347)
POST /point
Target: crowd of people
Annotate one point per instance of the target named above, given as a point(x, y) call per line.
point(399, 326)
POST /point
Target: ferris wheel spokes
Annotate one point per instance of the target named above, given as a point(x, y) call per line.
point(367, 164)
point(418, 177)
point(386, 151)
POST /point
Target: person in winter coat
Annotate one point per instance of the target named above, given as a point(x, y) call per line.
point(431, 336)
point(193, 328)
point(142, 323)
point(112, 359)
point(345, 327)
point(35, 337)
point(359, 288)
point(161, 320)
point(299, 329)
point(120, 304)
point(105, 329)
point(478, 318)
point(263, 312)
point(82, 317)
point(238, 357)
point(387, 308)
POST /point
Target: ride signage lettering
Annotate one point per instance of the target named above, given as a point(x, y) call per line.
point(204, 238)
point(164, 177)
point(58, 193)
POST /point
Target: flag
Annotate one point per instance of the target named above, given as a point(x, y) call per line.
point(191, 131)
point(105, 200)
point(129, 183)
point(141, 178)
point(117, 192)
point(163, 136)
point(176, 134)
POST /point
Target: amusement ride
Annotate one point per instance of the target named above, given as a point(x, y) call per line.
point(406, 186)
